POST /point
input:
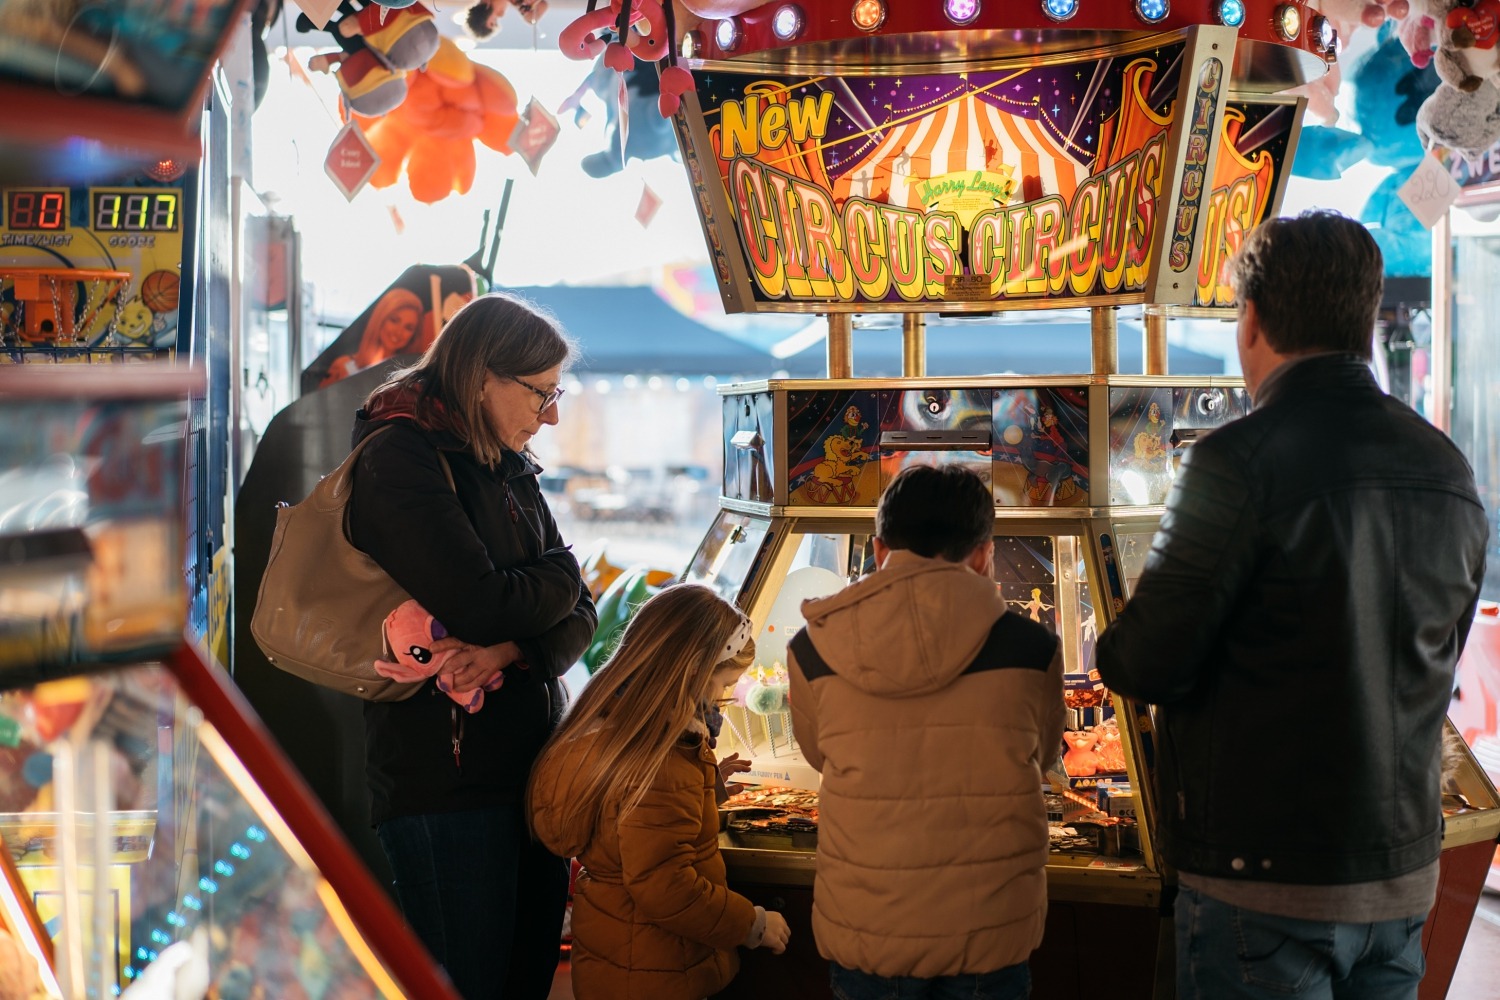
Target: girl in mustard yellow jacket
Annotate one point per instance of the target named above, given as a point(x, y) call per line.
point(627, 786)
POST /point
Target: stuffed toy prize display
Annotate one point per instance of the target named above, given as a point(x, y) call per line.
point(378, 47)
point(1459, 39)
point(627, 30)
point(419, 100)
point(1389, 90)
point(647, 136)
point(450, 104)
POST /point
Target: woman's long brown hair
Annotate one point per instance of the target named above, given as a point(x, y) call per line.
point(642, 701)
point(496, 333)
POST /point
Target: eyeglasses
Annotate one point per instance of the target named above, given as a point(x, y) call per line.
point(547, 398)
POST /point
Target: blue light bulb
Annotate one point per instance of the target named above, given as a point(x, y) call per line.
point(1231, 13)
point(1152, 11)
point(1059, 10)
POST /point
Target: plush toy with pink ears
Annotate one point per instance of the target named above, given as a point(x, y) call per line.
point(409, 634)
point(642, 29)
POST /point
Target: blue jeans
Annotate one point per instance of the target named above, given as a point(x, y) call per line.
point(1226, 953)
point(1010, 983)
point(485, 900)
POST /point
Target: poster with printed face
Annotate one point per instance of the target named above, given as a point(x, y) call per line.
point(404, 320)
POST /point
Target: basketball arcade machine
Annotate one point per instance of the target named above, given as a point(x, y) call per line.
point(146, 813)
point(132, 770)
point(966, 158)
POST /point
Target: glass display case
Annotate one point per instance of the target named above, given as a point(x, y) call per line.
point(1079, 467)
point(156, 838)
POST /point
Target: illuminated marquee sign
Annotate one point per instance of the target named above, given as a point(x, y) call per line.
point(1258, 140)
point(1056, 184)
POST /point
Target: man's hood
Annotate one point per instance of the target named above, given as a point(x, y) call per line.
point(909, 629)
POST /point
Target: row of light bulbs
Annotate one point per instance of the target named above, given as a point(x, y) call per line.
point(868, 15)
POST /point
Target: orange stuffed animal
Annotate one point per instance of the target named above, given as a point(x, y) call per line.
point(431, 135)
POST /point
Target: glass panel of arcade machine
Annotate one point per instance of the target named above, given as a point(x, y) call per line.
point(134, 834)
point(725, 558)
point(90, 529)
point(115, 787)
point(757, 717)
point(1091, 806)
point(1090, 802)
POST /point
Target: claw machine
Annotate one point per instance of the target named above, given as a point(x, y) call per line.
point(965, 158)
point(1461, 391)
point(158, 842)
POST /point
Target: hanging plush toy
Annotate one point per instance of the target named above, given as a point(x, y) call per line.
point(430, 136)
point(625, 31)
point(1466, 36)
point(1388, 91)
point(409, 634)
point(1464, 113)
point(482, 19)
point(378, 47)
point(648, 136)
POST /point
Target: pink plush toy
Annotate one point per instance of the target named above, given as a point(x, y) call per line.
point(409, 634)
point(644, 30)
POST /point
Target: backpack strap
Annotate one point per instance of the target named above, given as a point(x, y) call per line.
point(336, 484)
point(808, 658)
point(1015, 642)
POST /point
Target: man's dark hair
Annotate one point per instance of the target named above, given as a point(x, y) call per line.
point(936, 511)
point(1316, 282)
point(477, 20)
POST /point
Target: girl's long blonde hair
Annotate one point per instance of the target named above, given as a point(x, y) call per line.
point(642, 701)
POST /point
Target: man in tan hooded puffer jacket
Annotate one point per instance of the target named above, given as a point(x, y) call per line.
point(931, 712)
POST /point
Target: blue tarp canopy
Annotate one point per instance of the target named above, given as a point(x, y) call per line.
point(631, 330)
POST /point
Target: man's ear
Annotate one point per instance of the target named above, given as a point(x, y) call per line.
point(1247, 330)
point(881, 551)
point(982, 559)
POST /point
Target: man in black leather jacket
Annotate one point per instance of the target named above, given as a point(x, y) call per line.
point(1297, 623)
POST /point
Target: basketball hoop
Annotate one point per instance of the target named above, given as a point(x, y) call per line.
point(45, 306)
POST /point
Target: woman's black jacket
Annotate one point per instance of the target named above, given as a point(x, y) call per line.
point(486, 560)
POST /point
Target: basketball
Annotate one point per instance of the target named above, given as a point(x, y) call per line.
point(159, 291)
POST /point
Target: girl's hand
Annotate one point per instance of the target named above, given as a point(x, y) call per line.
point(733, 765)
point(777, 933)
point(472, 666)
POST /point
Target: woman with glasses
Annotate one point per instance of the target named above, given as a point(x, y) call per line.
point(481, 553)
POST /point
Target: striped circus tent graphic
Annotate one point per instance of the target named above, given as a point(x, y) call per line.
point(966, 133)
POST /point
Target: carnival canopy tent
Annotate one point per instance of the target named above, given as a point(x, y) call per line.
point(1023, 347)
point(630, 329)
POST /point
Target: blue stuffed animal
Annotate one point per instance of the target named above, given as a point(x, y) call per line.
point(1388, 92)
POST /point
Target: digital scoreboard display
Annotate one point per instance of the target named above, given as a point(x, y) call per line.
point(36, 209)
point(136, 212)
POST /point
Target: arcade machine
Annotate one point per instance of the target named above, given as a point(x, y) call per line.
point(1463, 393)
point(159, 834)
point(959, 157)
point(135, 785)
